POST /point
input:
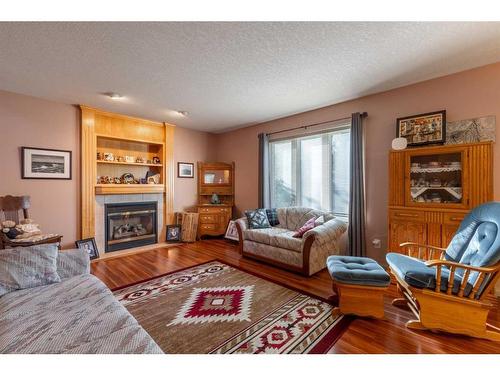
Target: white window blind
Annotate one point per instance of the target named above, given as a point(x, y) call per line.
point(311, 171)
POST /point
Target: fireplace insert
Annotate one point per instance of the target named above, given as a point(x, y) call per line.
point(130, 225)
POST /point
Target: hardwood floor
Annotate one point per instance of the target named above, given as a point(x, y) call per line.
point(362, 336)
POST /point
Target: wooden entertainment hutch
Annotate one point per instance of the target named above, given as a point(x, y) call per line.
point(105, 132)
point(431, 189)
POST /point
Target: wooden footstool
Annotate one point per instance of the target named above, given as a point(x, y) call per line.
point(360, 284)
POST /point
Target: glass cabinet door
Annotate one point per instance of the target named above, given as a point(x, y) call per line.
point(216, 177)
point(436, 179)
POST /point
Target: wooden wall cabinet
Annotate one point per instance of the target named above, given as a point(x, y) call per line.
point(215, 178)
point(431, 189)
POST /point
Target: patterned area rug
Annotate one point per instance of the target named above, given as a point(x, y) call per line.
point(216, 308)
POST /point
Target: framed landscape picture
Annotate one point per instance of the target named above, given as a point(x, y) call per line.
point(43, 163)
point(423, 129)
point(185, 170)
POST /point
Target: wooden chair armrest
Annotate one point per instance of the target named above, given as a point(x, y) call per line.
point(427, 255)
point(448, 263)
point(482, 272)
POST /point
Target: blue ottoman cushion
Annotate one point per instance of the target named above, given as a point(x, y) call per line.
point(357, 271)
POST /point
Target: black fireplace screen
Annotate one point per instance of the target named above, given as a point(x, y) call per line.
point(130, 225)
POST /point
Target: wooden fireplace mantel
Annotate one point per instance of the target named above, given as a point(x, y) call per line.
point(103, 131)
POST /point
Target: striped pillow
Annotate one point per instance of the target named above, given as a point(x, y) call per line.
point(28, 267)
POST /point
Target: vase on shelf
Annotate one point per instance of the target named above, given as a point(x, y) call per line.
point(215, 199)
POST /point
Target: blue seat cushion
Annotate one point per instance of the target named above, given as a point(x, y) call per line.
point(414, 272)
point(357, 271)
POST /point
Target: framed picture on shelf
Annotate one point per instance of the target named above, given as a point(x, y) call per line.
point(185, 170)
point(423, 129)
point(89, 245)
point(232, 231)
point(173, 233)
point(44, 163)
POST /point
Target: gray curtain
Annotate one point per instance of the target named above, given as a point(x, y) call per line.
point(264, 185)
point(356, 231)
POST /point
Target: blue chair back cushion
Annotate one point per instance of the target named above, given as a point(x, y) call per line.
point(477, 241)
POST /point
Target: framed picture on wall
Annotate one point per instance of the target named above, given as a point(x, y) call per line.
point(90, 246)
point(185, 170)
point(423, 129)
point(43, 163)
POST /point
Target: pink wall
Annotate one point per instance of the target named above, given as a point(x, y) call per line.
point(28, 121)
point(190, 146)
point(464, 95)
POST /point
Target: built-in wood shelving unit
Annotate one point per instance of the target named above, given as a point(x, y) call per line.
point(123, 136)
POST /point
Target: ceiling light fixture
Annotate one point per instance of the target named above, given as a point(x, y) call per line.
point(182, 113)
point(115, 96)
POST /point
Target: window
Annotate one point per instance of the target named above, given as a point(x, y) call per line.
point(311, 171)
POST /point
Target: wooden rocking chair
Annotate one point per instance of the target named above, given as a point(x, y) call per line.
point(446, 289)
point(15, 209)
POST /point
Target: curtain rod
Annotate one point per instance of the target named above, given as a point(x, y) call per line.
point(363, 114)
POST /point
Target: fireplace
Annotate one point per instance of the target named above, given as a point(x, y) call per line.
point(130, 225)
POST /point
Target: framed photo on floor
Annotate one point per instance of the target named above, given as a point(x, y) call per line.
point(185, 170)
point(232, 231)
point(89, 245)
point(423, 129)
point(174, 233)
point(44, 163)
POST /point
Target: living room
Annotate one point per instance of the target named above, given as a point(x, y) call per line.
point(249, 187)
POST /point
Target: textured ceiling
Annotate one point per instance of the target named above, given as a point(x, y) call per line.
point(229, 75)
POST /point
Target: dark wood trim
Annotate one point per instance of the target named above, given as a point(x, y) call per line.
point(306, 252)
point(240, 236)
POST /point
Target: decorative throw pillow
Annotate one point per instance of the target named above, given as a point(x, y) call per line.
point(257, 219)
point(306, 227)
point(272, 216)
point(28, 267)
point(328, 217)
point(319, 221)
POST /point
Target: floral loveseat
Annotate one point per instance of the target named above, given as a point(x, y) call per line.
point(277, 246)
